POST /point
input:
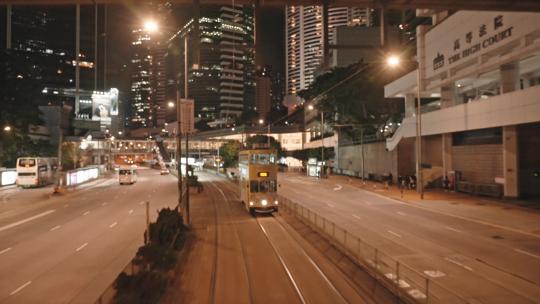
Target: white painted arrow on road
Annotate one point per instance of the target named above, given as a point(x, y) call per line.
point(338, 187)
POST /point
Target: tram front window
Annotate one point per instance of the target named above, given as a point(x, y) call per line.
point(254, 186)
point(267, 186)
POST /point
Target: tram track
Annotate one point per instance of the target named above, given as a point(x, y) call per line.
point(216, 252)
point(269, 221)
point(237, 237)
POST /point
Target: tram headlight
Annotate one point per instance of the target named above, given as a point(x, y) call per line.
point(276, 202)
point(251, 203)
point(264, 202)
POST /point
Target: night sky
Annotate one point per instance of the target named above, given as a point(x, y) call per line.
point(122, 19)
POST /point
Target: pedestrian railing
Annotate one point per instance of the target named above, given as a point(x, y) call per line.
point(408, 284)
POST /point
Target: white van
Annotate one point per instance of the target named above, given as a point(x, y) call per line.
point(127, 176)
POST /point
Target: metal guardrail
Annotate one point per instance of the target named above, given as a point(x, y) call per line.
point(409, 285)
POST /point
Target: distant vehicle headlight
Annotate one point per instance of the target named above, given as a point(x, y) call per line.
point(251, 203)
point(276, 202)
point(264, 202)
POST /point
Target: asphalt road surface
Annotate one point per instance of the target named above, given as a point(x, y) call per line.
point(481, 262)
point(69, 248)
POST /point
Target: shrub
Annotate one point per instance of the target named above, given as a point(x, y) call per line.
point(156, 258)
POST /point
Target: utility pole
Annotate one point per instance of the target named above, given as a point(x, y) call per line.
point(186, 92)
point(8, 26)
point(179, 150)
point(77, 58)
point(419, 175)
point(95, 45)
point(322, 145)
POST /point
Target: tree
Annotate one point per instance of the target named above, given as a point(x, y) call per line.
point(19, 145)
point(358, 98)
point(71, 155)
point(229, 153)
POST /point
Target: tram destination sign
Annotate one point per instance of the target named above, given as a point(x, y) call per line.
point(466, 35)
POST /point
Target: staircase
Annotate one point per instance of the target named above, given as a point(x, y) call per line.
point(432, 177)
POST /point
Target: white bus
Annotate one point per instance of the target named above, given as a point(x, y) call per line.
point(36, 171)
point(127, 175)
point(258, 180)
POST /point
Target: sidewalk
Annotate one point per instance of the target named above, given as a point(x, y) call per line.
point(520, 216)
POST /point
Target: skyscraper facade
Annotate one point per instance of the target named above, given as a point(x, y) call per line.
point(305, 39)
point(148, 104)
point(223, 83)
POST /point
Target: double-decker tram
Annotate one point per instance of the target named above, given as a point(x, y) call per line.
point(258, 180)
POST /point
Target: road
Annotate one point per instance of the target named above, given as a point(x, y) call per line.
point(480, 261)
point(243, 259)
point(69, 248)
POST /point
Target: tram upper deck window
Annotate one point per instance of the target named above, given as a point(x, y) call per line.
point(263, 159)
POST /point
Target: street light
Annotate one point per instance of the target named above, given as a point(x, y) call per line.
point(394, 61)
point(170, 104)
point(7, 129)
point(151, 26)
point(261, 121)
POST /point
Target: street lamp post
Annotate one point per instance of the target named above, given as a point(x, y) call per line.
point(152, 26)
point(395, 61)
point(322, 146)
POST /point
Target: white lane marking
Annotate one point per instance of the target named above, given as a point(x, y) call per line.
point(357, 216)
point(81, 247)
point(86, 213)
point(459, 264)
point(55, 228)
point(330, 205)
point(141, 203)
point(401, 213)
point(66, 205)
point(452, 229)
point(130, 211)
point(113, 224)
point(434, 273)
point(27, 220)
point(338, 187)
point(527, 253)
point(104, 204)
point(5, 250)
point(392, 232)
point(20, 288)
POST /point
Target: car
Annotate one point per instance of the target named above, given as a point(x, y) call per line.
point(164, 172)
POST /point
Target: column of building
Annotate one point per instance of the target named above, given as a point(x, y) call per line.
point(509, 75)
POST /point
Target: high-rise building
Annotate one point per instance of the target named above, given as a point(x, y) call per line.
point(35, 41)
point(305, 39)
point(264, 93)
point(148, 73)
point(223, 83)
